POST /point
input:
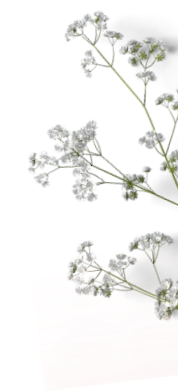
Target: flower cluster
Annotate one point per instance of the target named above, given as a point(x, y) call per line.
point(44, 159)
point(166, 294)
point(149, 49)
point(86, 263)
point(167, 100)
point(151, 138)
point(142, 51)
point(149, 241)
point(97, 19)
point(71, 152)
point(167, 301)
point(76, 154)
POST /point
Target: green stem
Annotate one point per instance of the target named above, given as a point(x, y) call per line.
point(140, 188)
point(171, 171)
point(172, 134)
point(136, 288)
point(145, 94)
point(137, 186)
point(153, 263)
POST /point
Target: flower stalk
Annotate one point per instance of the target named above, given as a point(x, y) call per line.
point(134, 287)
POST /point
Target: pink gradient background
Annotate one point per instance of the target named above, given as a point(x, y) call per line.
point(89, 341)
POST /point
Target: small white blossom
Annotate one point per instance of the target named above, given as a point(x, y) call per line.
point(131, 47)
point(167, 299)
point(133, 61)
point(100, 20)
point(113, 34)
point(58, 132)
point(148, 241)
point(42, 179)
point(83, 188)
point(87, 61)
point(164, 99)
point(160, 56)
point(146, 76)
point(151, 139)
point(173, 162)
point(121, 263)
point(85, 244)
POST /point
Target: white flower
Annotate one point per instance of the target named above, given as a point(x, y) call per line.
point(123, 49)
point(83, 246)
point(42, 179)
point(146, 76)
point(76, 28)
point(31, 170)
point(160, 56)
point(130, 194)
point(34, 162)
point(58, 132)
point(161, 310)
point(122, 261)
point(113, 34)
point(155, 45)
point(88, 62)
point(85, 19)
point(167, 299)
point(146, 169)
point(81, 269)
point(100, 20)
point(85, 134)
point(32, 159)
point(151, 139)
point(164, 97)
point(58, 147)
point(143, 54)
point(45, 159)
point(84, 189)
point(77, 265)
point(71, 148)
point(129, 189)
point(133, 61)
point(175, 105)
point(133, 47)
point(166, 284)
point(173, 162)
point(83, 197)
point(82, 170)
point(84, 289)
point(150, 241)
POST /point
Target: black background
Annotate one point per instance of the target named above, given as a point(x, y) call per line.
point(55, 91)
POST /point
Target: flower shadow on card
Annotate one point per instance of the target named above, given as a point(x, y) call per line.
point(143, 275)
